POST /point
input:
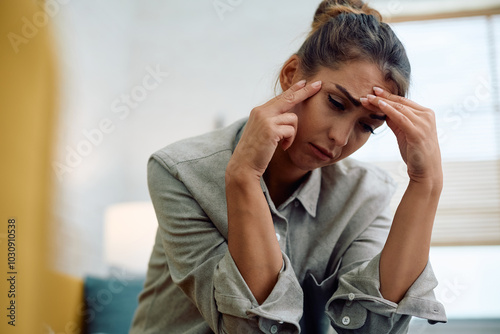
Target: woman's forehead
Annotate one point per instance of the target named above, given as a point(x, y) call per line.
point(358, 78)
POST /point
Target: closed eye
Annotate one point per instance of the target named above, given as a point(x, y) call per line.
point(367, 128)
point(336, 103)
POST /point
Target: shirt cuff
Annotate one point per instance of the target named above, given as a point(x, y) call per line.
point(358, 297)
point(280, 312)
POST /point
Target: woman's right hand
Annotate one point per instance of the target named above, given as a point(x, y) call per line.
point(269, 125)
point(251, 236)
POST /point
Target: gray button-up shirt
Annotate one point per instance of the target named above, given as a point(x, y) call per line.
point(331, 232)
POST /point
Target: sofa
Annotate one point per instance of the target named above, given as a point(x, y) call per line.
point(110, 303)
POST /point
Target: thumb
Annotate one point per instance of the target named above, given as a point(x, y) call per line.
point(287, 142)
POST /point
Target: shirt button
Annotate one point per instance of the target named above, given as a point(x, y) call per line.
point(274, 329)
point(278, 236)
point(346, 320)
point(350, 296)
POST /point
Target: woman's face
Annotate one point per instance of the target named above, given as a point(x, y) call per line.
point(332, 124)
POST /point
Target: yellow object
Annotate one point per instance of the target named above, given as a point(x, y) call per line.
point(67, 305)
point(32, 298)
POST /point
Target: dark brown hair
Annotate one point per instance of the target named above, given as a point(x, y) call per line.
point(349, 30)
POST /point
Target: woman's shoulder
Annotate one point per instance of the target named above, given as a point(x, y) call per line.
point(201, 147)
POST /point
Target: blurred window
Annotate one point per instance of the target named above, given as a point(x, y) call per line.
point(455, 71)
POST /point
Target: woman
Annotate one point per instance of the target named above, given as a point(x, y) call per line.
point(265, 226)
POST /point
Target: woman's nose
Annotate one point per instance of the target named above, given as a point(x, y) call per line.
point(340, 132)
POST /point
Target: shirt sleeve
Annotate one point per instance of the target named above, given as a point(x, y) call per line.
point(201, 265)
point(357, 306)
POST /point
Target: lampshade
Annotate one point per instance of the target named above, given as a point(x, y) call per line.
point(129, 235)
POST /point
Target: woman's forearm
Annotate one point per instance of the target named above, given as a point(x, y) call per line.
point(252, 240)
point(406, 251)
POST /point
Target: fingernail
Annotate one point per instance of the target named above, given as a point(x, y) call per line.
point(316, 84)
point(370, 96)
point(378, 90)
point(382, 103)
point(301, 83)
point(363, 99)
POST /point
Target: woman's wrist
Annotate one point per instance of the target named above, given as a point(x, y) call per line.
point(239, 175)
point(429, 186)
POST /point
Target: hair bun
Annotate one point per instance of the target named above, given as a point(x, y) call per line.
point(328, 9)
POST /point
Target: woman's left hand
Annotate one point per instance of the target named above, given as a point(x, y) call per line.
point(416, 133)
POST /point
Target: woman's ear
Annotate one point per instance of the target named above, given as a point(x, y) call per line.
point(290, 72)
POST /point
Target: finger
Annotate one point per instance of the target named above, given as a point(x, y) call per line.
point(294, 95)
point(287, 128)
point(288, 133)
point(405, 110)
point(368, 105)
point(396, 117)
point(375, 108)
point(298, 85)
point(287, 119)
point(396, 98)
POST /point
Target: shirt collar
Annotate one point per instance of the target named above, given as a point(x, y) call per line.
point(307, 193)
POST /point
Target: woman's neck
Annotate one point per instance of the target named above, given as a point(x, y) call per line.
point(282, 177)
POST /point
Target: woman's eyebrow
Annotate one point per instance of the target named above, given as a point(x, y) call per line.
point(348, 95)
point(358, 103)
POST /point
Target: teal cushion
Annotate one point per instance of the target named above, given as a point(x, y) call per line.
point(110, 304)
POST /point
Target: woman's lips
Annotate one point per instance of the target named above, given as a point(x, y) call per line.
point(321, 153)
